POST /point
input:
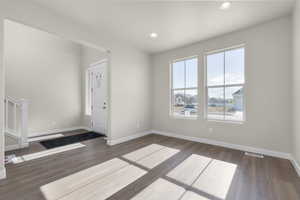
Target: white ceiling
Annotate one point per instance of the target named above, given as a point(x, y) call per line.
point(177, 22)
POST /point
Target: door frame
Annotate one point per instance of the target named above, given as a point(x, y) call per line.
point(88, 70)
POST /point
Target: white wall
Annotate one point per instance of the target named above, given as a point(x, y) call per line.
point(268, 89)
point(88, 56)
point(129, 80)
point(45, 70)
point(296, 84)
point(124, 58)
point(130, 91)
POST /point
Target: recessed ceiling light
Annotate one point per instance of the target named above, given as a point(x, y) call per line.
point(225, 5)
point(153, 35)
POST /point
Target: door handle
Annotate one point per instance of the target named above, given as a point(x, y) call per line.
point(103, 107)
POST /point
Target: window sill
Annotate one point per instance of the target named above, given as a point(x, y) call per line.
point(225, 121)
point(184, 117)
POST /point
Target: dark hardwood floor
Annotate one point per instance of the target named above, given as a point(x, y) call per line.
point(255, 178)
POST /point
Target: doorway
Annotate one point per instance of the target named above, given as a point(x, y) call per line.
point(98, 96)
point(31, 116)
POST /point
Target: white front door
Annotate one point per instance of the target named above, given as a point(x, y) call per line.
point(99, 97)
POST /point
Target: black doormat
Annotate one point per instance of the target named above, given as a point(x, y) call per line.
point(58, 142)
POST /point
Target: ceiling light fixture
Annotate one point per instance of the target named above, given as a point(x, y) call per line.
point(153, 35)
point(225, 5)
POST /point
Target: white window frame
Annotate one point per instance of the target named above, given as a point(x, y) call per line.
point(225, 85)
point(171, 112)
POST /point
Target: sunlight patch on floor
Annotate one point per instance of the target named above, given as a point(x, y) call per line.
point(216, 178)
point(158, 157)
point(151, 156)
point(108, 185)
point(160, 190)
point(47, 152)
point(143, 152)
point(196, 178)
point(193, 196)
point(190, 169)
point(69, 184)
point(95, 183)
point(45, 137)
point(207, 175)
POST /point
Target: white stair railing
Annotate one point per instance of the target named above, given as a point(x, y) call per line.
point(16, 120)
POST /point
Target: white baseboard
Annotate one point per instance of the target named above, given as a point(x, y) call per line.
point(12, 147)
point(296, 165)
point(267, 152)
point(227, 145)
point(25, 145)
point(86, 128)
point(127, 138)
point(16, 146)
point(2, 173)
point(48, 132)
point(205, 141)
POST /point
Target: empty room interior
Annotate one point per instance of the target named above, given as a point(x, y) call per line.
point(150, 100)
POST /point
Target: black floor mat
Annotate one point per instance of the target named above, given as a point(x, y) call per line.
point(58, 142)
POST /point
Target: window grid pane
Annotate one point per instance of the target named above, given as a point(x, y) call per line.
point(215, 69)
point(178, 102)
point(185, 102)
point(215, 103)
point(185, 95)
point(225, 100)
point(234, 67)
point(191, 73)
point(191, 103)
point(234, 105)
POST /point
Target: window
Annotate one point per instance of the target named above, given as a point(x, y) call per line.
point(225, 85)
point(184, 88)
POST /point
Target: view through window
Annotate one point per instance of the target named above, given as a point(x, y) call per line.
point(225, 85)
point(184, 88)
